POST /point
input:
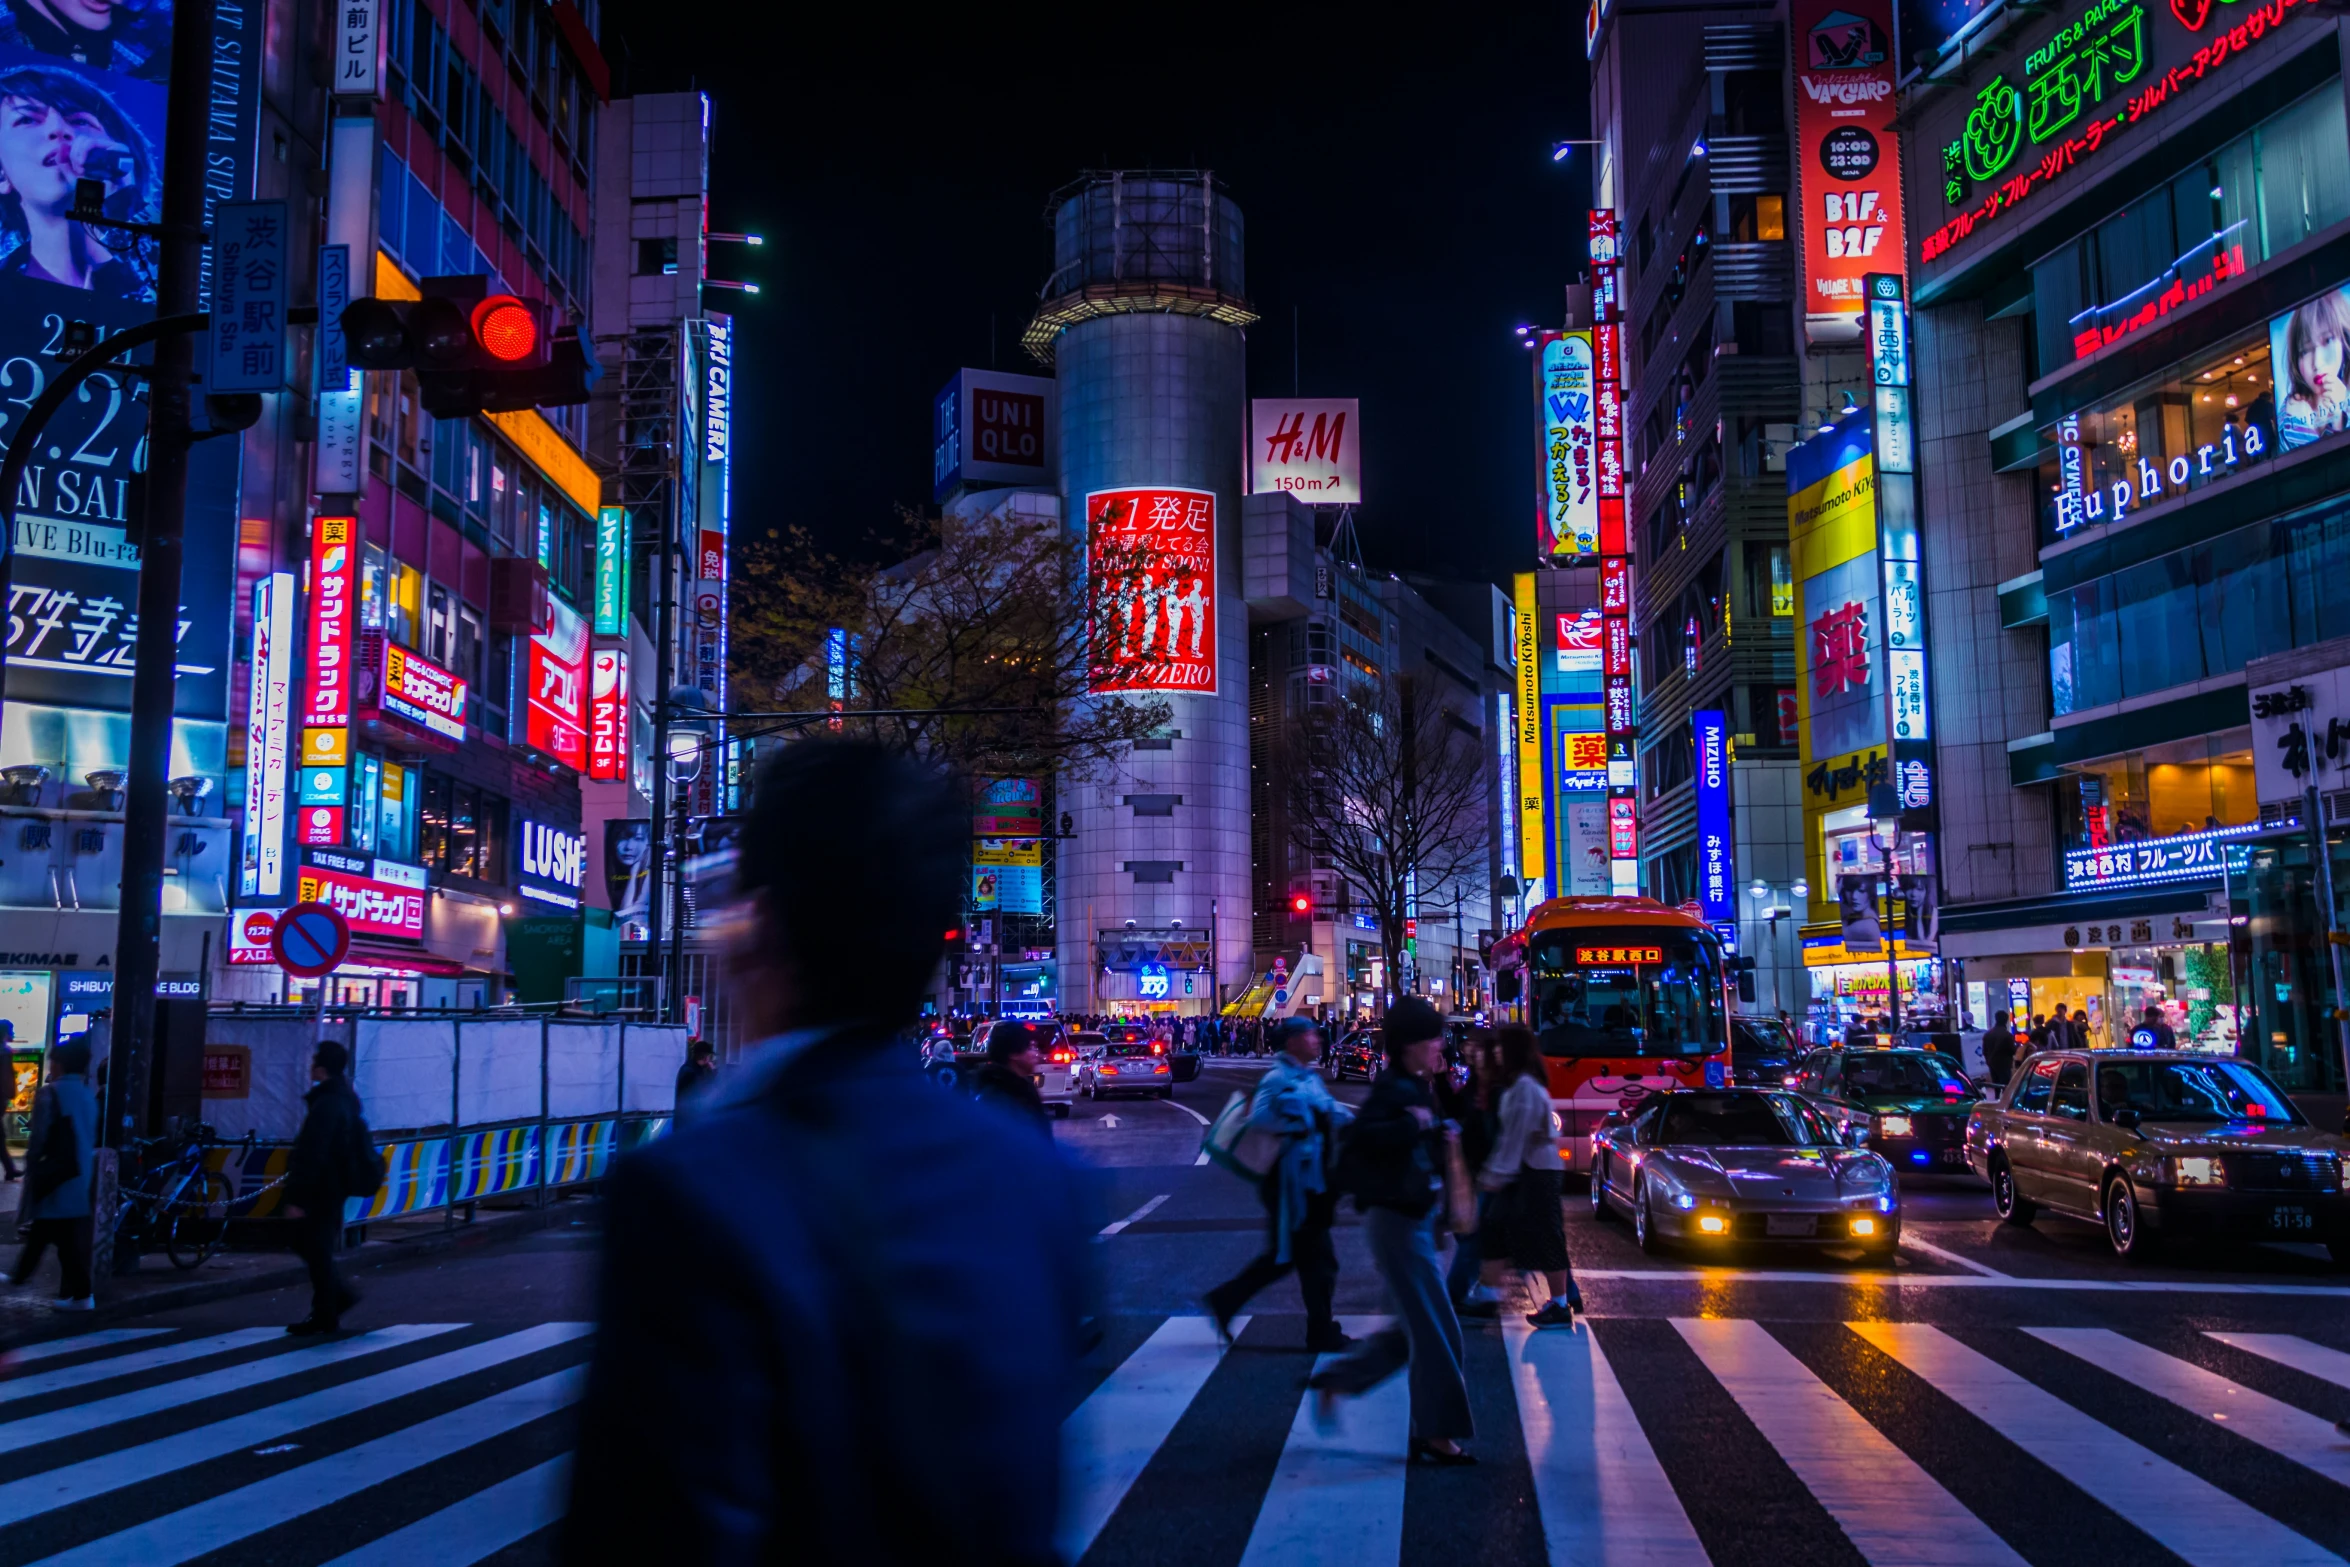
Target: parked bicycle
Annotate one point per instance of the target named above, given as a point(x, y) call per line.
point(176, 1201)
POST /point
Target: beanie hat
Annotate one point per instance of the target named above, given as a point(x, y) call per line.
point(1411, 1020)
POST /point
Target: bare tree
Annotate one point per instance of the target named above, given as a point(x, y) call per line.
point(1387, 786)
point(976, 639)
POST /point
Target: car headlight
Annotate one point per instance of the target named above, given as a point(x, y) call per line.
point(1683, 1201)
point(1893, 1126)
point(2198, 1171)
point(1713, 1224)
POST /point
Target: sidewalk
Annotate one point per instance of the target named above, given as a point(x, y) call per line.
point(248, 1265)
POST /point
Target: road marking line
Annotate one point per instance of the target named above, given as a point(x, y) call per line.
point(58, 1424)
point(62, 1487)
point(1140, 1213)
point(2183, 1511)
point(1112, 1436)
point(1339, 1498)
point(130, 1365)
point(1177, 1104)
point(2307, 1440)
point(1598, 1488)
point(482, 1525)
point(72, 1346)
point(1944, 1254)
point(225, 1519)
point(1202, 1159)
point(1893, 1511)
point(2327, 1365)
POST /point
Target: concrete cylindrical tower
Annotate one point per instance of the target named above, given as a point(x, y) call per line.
point(1142, 320)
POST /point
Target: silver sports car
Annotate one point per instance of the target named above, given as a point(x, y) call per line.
point(1713, 1168)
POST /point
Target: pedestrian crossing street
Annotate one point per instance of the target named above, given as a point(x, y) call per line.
point(1659, 1441)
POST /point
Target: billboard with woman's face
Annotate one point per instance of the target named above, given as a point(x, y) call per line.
point(81, 98)
point(2307, 347)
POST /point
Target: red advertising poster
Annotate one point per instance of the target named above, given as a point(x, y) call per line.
point(1151, 555)
point(320, 824)
point(334, 622)
point(608, 714)
point(1849, 162)
point(1618, 647)
point(713, 551)
point(1615, 586)
point(371, 906)
point(556, 720)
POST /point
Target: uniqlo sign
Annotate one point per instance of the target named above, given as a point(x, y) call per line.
point(369, 905)
point(1151, 558)
point(334, 614)
point(608, 714)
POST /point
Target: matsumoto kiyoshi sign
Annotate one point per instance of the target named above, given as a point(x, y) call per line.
point(2103, 70)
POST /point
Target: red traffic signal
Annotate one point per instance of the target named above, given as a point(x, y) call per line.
point(1411, 929)
point(1301, 903)
point(473, 351)
point(508, 330)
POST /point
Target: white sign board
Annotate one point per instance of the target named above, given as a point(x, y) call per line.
point(1307, 447)
point(2300, 734)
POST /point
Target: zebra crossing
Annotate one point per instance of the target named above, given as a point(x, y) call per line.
point(1685, 1440)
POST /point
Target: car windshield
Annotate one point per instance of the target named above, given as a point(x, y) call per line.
point(1900, 1075)
point(1646, 991)
point(1760, 1038)
point(1732, 1121)
point(2191, 1091)
point(1128, 1047)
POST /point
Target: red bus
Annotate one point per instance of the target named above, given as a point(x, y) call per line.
point(1627, 997)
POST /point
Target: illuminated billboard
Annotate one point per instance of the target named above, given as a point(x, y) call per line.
point(268, 738)
point(422, 692)
point(1310, 448)
point(1151, 559)
point(608, 714)
point(1848, 158)
point(334, 622)
point(371, 905)
point(555, 720)
point(1566, 390)
point(992, 428)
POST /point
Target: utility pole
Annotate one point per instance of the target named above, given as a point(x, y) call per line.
point(656, 956)
point(138, 930)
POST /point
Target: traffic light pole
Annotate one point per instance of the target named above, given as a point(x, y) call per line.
point(138, 929)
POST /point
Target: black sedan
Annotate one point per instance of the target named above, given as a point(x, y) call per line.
point(1357, 1055)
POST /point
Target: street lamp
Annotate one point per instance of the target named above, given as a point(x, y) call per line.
point(1885, 812)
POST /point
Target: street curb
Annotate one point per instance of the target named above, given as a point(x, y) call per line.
point(171, 1297)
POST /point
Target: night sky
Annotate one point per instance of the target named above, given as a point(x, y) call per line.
point(1396, 184)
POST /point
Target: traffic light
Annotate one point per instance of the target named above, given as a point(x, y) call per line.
point(1301, 905)
point(473, 351)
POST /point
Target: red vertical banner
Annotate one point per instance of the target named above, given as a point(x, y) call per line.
point(1151, 558)
point(1848, 158)
point(334, 622)
point(1615, 586)
point(608, 714)
point(1608, 399)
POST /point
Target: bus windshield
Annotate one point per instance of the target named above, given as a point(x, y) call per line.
point(1652, 991)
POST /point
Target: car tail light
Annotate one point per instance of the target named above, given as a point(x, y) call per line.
point(1159, 1066)
point(1158, 1049)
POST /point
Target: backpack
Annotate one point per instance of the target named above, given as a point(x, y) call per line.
point(59, 1158)
point(363, 1163)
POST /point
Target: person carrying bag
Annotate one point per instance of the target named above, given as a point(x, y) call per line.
point(1525, 1173)
point(1285, 1145)
point(63, 1155)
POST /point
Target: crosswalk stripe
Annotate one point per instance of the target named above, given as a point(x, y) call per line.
point(32, 1431)
point(2288, 1432)
point(240, 1514)
point(481, 1525)
point(2196, 1519)
point(1110, 1438)
point(1891, 1510)
point(62, 1487)
point(1598, 1488)
point(132, 1364)
point(101, 1339)
point(1339, 1497)
point(2327, 1365)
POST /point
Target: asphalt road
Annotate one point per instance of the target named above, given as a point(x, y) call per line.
point(1998, 1395)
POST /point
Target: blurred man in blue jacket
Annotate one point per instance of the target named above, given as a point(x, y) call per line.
point(1294, 1103)
point(840, 1308)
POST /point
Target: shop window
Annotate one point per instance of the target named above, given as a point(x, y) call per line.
point(1757, 219)
point(2191, 786)
point(440, 626)
point(462, 829)
point(403, 611)
point(497, 686)
point(466, 659)
point(2206, 420)
point(501, 500)
point(408, 436)
point(371, 587)
point(543, 536)
point(366, 789)
point(398, 802)
point(2258, 196)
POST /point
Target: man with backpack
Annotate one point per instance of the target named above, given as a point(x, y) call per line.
point(334, 1158)
point(62, 1153)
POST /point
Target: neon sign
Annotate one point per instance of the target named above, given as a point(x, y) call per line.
point(2105, 49)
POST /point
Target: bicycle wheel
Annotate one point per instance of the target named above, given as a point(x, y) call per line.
point(196, 1218)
